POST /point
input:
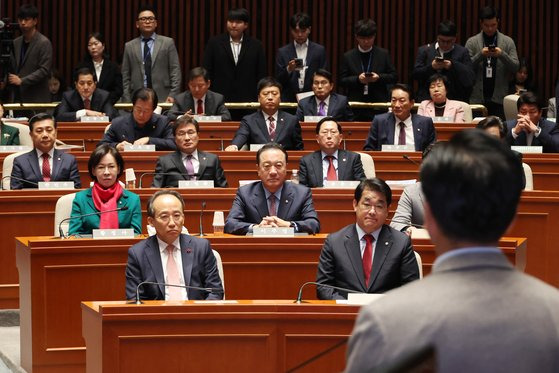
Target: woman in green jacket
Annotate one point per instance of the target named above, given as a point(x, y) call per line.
point(8, 135)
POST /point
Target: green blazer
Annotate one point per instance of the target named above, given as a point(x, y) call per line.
point(83, 204)
point(9, 135)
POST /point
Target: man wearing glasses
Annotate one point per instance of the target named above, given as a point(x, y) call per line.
point(150, 60)
point(447, 58)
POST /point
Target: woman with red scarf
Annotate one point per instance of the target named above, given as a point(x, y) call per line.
point(105, 167)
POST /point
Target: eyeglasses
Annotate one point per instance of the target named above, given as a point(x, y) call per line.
point(327, 132)
point(166, 218)
point(146, 19)
point(368, 207)
point(186, 133)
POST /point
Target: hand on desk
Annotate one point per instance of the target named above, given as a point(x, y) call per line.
point(274, 222)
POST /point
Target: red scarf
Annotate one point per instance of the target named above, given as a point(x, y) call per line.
point(104, 200)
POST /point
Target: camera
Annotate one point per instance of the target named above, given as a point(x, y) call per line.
point(491, 47)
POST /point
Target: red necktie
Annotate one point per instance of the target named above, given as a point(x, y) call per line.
point(368, 257)
point(331, 175)
point(200, 109)
point(173, 276)
point(272, 128)
point(87, 104)
point(402, 135)
point(272, 199)
point(46, 167)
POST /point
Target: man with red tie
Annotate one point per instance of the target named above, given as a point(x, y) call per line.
point(367, 256)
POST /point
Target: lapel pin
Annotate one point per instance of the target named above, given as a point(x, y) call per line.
point(343, 159)
point(286, 201)
point(386, 243)
point(419, 130)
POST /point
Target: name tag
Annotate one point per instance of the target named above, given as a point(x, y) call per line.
point(139, 148)
point(340, 184)
point(313, 118)
point(208, 118)
point(362, 298)
point(196, 184)
point(528, 149)
point(245, 182)
point(273, 232)
point(14, 148)
point(255, 147)
point(56, 185)
point(112, 233)
point(442, 119)
point(398, 148)
point(90, 119)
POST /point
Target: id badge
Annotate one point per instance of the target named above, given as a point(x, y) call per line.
point(489, 72)
point(366, 90)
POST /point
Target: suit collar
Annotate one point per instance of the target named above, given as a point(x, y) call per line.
point(382, 248)
point(471, 258)
point(176, 158)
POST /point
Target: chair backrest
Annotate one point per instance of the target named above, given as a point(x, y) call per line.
point(528, 176)
point(7, 166)
point(509, 106)
point(24, 136)
point(63, 210)
point(419, 264)
point(368, 165)
point(107, 127)
point(220, 270)
point(468, 116)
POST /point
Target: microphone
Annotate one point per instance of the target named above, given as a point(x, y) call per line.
point(201, 215)
point(165, 174)
point(405, 156)
point(61, 232)
point(300, 296)
point(18, 179)
point(138, 301)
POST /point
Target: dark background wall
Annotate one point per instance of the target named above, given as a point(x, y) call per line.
point(403, 25)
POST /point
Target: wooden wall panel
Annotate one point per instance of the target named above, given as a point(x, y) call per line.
point(403, 25)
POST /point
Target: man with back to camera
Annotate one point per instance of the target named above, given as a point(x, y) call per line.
point(44, 162)
point(330, 162)
point(268, 124)
point(142, 126)
point(199, 99)
point(171, 257)
point(272, 202)
point(477, 311)
point(367, 256)
point(188, 162)
point(401, 127)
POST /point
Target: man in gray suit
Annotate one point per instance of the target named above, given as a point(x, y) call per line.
point(31, 60)
point(187, 163)
point(367, 256)
point(150, 60)
point(475, 309)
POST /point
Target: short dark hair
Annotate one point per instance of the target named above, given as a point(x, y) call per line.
point(437, 76)
point(266, 82)
point(404, 87)
point(303, 20)
point(101, 151)
point(39, 118)
point(198, 72)
point(376, 185)
point(472, 184)
point(145, 94)
point(84, 71)
point(324, 73)
point(268, 146)
point(27, 11)
point(493, 121)
point(365, 27)
point(447, 28)
point(99, 36)
point(529, 98)
point(327, 119)
point(488, 12)
point(151, 211)
point(238, 14)
point(183, 121)
point(147, 8)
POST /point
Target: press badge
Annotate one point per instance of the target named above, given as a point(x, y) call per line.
point(366, 89)
point(489, 71)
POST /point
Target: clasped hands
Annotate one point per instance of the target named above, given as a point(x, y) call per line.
point(524, 123)
point(274, 222)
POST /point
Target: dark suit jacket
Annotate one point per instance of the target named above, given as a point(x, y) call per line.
point(352, 67)
point(253, 129)
point(341, 265)
point(198, 262)
point(158, 129)
point(310, 168)
point(460, 76)
point(250, 206)
point(72, 102)
point(110, 79)
point(26, 167)
point(338, 108)
point(236, 82)
point(214, 105)
point(8, 135)
point(382, 132)
point(210, 169)
point(548, 138)
point(316, 59)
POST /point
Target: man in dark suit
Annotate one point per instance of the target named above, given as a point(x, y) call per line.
point(367, 256)
point(199, 99)
point(297, 62)
point(171, 257)
point(272, 202)
point(367, 71)
point(44, 162)
point(84, 100)
point(142, 126)
point(234, 60)
point(187, 163)
point(330, 162)
point(447, 58)
point(268, 124)
point(400, 127)
point(324, 102)
point(150, 60)
point(530, 128)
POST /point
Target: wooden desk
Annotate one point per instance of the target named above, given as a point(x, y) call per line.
point(56, 275)
point(251, 336)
